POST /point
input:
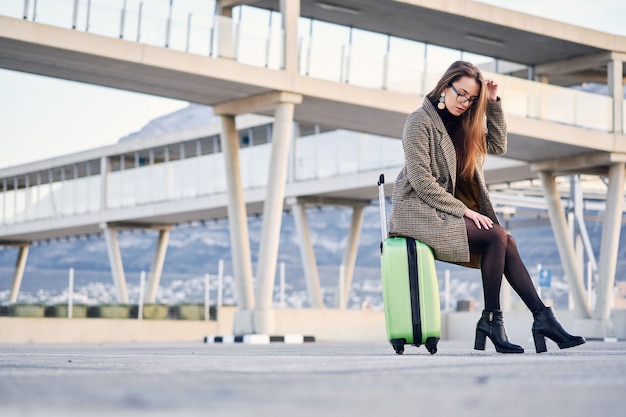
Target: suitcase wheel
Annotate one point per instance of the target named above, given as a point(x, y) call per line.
point(431, 344)
point(398, 345)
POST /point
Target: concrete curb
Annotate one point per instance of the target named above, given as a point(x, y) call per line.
point(260, 339)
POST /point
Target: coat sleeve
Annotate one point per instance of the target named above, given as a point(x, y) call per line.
point(496, 128)
point(421, 149)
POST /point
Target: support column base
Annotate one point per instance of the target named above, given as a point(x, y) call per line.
point(254, 322)
point(593, 328)
point(243, 322)
point(264, 321)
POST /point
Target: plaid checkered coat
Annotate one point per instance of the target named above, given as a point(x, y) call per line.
point(423, 202)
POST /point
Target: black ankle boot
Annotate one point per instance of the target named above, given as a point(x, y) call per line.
point(546, 325)
point(491, 325)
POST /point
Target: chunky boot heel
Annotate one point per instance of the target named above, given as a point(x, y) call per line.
point(491, 325)
point(547, 325)
point(479, 342)
point(540, 343)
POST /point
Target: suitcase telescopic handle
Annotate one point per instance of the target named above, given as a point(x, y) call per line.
point(383, 211)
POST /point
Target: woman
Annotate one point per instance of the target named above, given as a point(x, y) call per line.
point(441, 199)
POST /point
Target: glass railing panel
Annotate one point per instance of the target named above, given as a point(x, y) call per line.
point(257, 39)
point(252, 49)
point(56, 199)
point(67, 198)
point(212, 178)
point(391, 153)
point(437, 62)
point(276, 53)
point(153, 30)
point(325, 61)
point(404, 74)
point(346, 155)
point(369, 152)
point(405, 66)
point(42, 207)
point(255, 162)
point(54, 13)
point(114, 195)
point(306, 158)
point(83, 195)
point(366, 69)
point(594, 111)
point(176, 29)
point(19, 204)
point(105, 19)
point(366, 60)
point(8, 207)
point(200, 35)
point(188, 179)
point(128, 186)
point(327, 155)
point(13, 9)
point(173, 180)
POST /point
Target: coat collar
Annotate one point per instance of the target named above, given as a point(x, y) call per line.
point(446, 141)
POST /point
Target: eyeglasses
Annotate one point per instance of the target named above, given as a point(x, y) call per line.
point(463, 99)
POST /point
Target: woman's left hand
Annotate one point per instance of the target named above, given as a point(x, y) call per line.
point(492, 90)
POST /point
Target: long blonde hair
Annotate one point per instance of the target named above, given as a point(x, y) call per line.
point(472, 120)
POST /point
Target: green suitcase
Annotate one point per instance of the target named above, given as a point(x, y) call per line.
point(410, 289)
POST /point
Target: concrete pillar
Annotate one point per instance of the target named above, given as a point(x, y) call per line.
point(349, 257)
point(115, 261)
point(564, 244)
point(237, 215)
point(154, 278)
point(18, 274)
point(273, 211)
point(616, 90)
point(308, 256)
point(104, 182)
point(290, 10)
point(610, 242)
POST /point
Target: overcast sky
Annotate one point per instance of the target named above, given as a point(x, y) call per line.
point(43, 117)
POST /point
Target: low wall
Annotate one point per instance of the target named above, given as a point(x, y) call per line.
point(97, 330)
point(324, 325)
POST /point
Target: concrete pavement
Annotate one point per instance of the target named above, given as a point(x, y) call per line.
point(320, 378)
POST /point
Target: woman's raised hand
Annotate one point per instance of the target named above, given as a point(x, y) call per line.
point(492, 90)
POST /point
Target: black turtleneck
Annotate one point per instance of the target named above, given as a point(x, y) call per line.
point(449, 120)
point(466, 189)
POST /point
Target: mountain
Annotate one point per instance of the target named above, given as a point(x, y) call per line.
point(193, 115)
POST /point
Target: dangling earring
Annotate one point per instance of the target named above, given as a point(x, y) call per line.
point(442, 105)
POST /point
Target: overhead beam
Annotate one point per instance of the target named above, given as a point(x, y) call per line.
point(327, 201)
point(572, 65)
point(256, 103)
point(578, 163)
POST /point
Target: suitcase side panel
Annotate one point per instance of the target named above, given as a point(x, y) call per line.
point(396, 289)
point(429, 292)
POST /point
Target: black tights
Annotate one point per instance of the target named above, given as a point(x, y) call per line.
point(499, 256)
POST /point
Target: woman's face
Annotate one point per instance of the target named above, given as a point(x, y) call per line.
point(461, 94)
